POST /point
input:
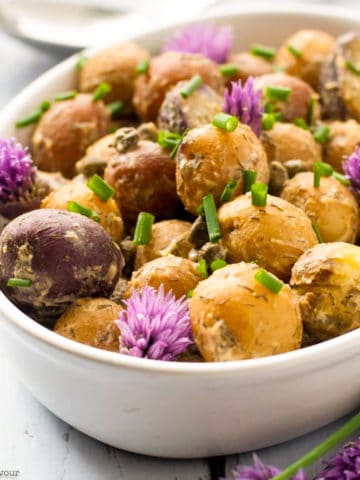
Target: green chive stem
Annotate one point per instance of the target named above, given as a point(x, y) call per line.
point(142, 66)
point(103, 89)
point(228, 190)
point(190, 294)
point(143, 229)
point(19, 282)
point(263, 51)
point(310, 115)
point(226, 122)
point(267, 121)
point(259, 194)
point(249, 179)
point(317, 232)
point(202, 268)
point(45, 105)
point(300, 122)
point(193, 84)
point(321, 133)
point(319, 451)
point(177, 146)
point(87, 212)
point(65, 95)
point(168, 140)
point(342, 179)
point(228, 70)
point(30, 119)
point(273, 92)
point(294, 51)
point(353, 68)
point(211, 218)
point(115, 108)
point(217, 264)
point(268, 280)
point(321, 169)
point(100, 188)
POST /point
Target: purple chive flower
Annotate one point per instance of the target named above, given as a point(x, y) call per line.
point(244, 103)
point(351, 167)
point(17, 172)
point(259, 472)
point(211, 41)
point(154, 325)
point(345, 465)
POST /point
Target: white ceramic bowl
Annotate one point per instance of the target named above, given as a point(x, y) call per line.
point(178, 409)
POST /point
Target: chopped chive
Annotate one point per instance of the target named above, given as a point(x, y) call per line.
point(115, 108)
point(259, 194)
point(202, 268)
point(225, 122)
point(100, 188)
point(342, 179)
point(277, 93)
point(177, 146)
point(249, 179)
point(319, 451)
point(143, 229)
point(277, 116)
point(211, 218)
point(217, 264)
point(268, 280)
point(295, 51)
point(193, 84)
point(103, 89)
point(353, 68)
point(200, 210)
point(269, 107)
point(44, 106)
point(87, 212)
point(30, 119)
point(190, 294)
point(228, 69)
point(317, 233)
point(300, 122)
point(65, 96)
point(321, 133)
point(267, 121)
point(19, 282)
point(81, 62)
point(263, 51)
point(228, 190)
point(321, 169)
point(142, 66)
point(168, 139)
point(310, 115)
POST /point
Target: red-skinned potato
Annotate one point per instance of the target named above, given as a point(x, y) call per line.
point(115, 65)
point(97, 156)
point(65, 256)
point(166, 70)
point(248, 65)
point(91, 321)
point(144, 180)
point(209, 158)
point(66, 130)
point(298, 102)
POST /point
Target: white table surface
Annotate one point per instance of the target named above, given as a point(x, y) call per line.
point(37, 444)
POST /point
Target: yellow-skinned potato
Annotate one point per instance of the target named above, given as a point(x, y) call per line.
point(274, 236)
point(75, 191)
point(286, 141)
point(326, 280)
point(91, 321)
point(248, 65)
point(233, 317)
point(312, 46)
point(331, 206)
point(162, 235)
point(177, 274)
point(209, 158)
point(343, 138)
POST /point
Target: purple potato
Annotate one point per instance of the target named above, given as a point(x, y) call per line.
point(65, 255)
point(176, 113)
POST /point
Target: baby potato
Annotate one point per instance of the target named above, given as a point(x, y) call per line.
point(326, 281)
point(176, 113)
point(163, 235)
point(115, 65)
point(248, 65)
point(177, 274)
point(66, 130)
point(343, 138)
point(97, 156)
point(298, 102)
point(331, 206)
point(144, 180)
point(63, 255)
point(286, 141)
point(311, 50)
point(91, 321)
point(209, 158)
point(234, 317)
point(165, 70)
point(273, 236)
point(75, 191)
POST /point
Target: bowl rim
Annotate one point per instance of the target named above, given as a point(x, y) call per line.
point(331, 351)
